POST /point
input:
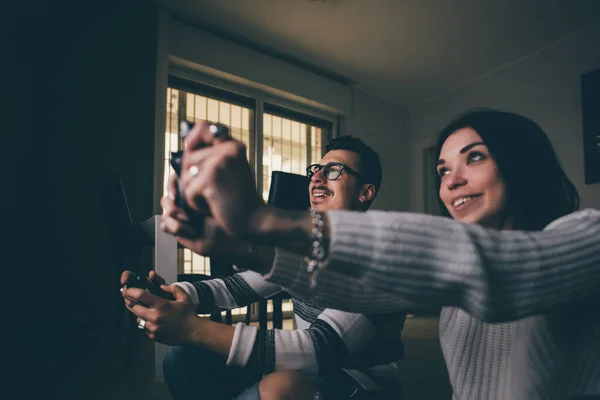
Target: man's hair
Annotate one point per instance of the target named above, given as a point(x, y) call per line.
point(370, 164)
point(538, 190)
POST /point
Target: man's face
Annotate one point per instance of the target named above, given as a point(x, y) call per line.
point(344, 193)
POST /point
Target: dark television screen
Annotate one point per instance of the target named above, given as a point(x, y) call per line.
point(119, 222)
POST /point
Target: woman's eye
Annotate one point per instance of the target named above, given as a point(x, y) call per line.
point(443, 171)
point(476, 156)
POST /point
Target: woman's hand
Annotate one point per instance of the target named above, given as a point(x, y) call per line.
point(199, 233)
point(216, 173)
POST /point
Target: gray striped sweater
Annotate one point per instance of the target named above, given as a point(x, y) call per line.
point(521, 310)
point(325, 339)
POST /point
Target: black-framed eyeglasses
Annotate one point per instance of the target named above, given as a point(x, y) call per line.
point(331, 171)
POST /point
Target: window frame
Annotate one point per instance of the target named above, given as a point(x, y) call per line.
point(237, 91)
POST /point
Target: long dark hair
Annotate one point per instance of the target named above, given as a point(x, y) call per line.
point(538, 190)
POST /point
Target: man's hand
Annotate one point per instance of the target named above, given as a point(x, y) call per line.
point(129, 276)
point(168, 322)
point(224, 181)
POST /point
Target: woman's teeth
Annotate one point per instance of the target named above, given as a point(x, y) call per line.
point(462, 200)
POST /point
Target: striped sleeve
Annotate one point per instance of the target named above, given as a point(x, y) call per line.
point(326, 344)
point(234, 291)
point(493, 275)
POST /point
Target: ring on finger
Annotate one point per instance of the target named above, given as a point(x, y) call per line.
point(194, 170)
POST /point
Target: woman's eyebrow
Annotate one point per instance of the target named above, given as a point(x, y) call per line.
point(470, 146)
point(462, 151)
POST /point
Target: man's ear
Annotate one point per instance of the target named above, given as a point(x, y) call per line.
point(368, 193)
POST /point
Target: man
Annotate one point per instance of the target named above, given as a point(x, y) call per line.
point(243, 362)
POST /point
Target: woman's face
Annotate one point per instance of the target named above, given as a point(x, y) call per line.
point(472, 188)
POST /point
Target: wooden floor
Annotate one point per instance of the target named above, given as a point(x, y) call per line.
point(423, 371)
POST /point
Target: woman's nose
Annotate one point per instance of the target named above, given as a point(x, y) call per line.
point(455, 180)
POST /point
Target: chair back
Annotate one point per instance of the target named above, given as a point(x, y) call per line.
point(289, 191)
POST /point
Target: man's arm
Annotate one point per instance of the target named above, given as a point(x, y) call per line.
point(237, 290)
point(211, 335)
point(327, 343)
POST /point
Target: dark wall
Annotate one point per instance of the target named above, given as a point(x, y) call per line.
point(86, 96)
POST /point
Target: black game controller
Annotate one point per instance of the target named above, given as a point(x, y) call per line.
point(136, 281)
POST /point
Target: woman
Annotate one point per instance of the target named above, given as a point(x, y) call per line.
point(516, 269)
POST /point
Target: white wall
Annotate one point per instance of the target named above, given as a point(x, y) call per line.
point(192, 47)
point(384, 127)
point(544, 87)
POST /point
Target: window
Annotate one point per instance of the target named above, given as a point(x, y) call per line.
point(289, 144)
point(285, 141)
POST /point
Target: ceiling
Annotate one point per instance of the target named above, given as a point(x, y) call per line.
point(403, 51)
